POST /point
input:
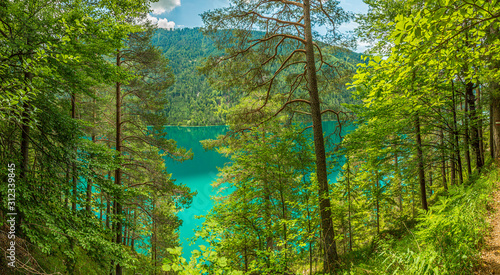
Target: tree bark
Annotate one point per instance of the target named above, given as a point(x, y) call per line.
point(469, 93)
point(455, 134)
point(349, 204)
point(453, 176)
point(25, 144)
point(126, 229)
point(467, 138)
point(154, 242)
point(480, 123)
point(420, 159)
point(73, 164)
point(132, 241)
point(331, 258)
point(443, 160)
point(377, 186)
point(493, 131)
point(494, 90)
point(25, 131)
point(430, 180)
point(400, 183)
point(89, 182)
point(495, 116)
point(118, 171)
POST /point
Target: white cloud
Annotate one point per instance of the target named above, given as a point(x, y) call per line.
point(350, 26)
point(161, 23)
point(165, 24)
point(152, 19)
point(163, 6)
point(363, 46)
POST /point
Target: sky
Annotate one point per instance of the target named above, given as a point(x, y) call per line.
point(170, 14)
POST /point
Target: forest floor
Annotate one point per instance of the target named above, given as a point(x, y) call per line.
point(490, 256)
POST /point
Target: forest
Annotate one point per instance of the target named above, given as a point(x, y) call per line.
point(407, 183)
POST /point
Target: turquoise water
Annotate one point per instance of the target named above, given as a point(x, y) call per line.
point(198, 174)
point(201, 171)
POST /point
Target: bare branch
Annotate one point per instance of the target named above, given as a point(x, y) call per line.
point(278, 35)
point(139, 138)
point(275, 51)
point(288, 2)
point(274, 19)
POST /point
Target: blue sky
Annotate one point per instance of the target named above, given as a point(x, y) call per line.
point(186, 13)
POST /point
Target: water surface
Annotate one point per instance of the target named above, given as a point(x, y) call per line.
point(201, 171)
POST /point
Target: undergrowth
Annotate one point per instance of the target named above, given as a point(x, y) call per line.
point(446, 240)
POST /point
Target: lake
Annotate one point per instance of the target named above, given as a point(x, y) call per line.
point(199, 172)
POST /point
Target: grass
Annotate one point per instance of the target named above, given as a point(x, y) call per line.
point(445, 240)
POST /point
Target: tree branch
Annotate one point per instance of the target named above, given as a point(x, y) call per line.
point(273, 19)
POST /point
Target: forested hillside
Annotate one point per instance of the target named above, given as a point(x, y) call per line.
point(416, 173)
point(84, 189)
point(399, 181)
point(191, 99)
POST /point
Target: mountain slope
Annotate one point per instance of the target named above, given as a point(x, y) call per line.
point(192, 100)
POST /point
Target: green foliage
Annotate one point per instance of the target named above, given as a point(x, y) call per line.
point(433, 65)
point(204, 261)
point(454, 227)
point(264, 217)
point(56, 125)
point(447, 239)
point(192, 100)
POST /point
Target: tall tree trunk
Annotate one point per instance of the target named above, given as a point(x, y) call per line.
point(25, 144)
point(245, 253)
point(267, 207)
point(309, 228)
point(443, 159)
point(495, 120)
point(494, 90)
point(73, 164)
point(101, 199)
point(430, 180)
point(453, 168)
point(108, 210)
point(467, 138)
point(132, 241)
point(70, 264)
point(480, 123)
point(349, 204)
point(267, 212)
point(469, 93)
point(25, 132)
point(113, 223)
point(494, 131)
point(400, 183)
point(420, 159)
point(118, 171)
point(331, 258)
point(89, 182)
point(126, 229)
point(377, 197)
point(413, 199)
point(455, 134)
point(285, 237)
point(154, 242)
